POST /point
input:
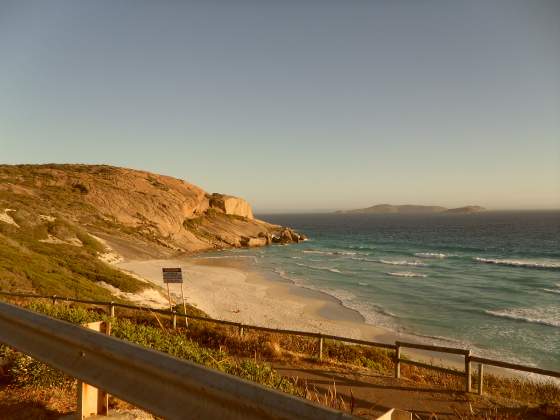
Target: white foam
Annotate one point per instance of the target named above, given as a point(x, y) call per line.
point(311, 251)
point(430, 255)
point(364, 259)
point(315, 267)
point(406, 274)
point(315, 251)
point(552, 290)
point(546, 315)
point(520, 263)
point(403, 262)
point(373, 314)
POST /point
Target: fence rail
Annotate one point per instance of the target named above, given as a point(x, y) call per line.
point(466, 373)
point(162, 384)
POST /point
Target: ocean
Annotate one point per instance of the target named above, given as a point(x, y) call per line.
point(487, 281)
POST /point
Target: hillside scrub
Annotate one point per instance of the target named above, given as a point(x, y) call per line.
point(25, 371)
point(133, 206)
point(28, 264)
point(225, 342)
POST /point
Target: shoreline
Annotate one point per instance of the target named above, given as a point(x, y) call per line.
point(230, 289)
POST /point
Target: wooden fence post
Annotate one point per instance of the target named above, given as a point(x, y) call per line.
point(241, 330)
point(398, 362)
point(321, 348)
point(91, 400)
point(54, 299)
point(174, 319)
point(480, 378)
point(111, 310)
point(468, 377)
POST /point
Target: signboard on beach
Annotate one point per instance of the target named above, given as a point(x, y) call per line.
point(172, 275)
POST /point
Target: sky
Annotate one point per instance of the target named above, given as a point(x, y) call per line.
point(294, 105)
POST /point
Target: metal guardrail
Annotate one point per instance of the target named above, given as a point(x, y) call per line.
point(162, 384)
point(467, 374)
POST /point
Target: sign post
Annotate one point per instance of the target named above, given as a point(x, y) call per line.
point(175, 275)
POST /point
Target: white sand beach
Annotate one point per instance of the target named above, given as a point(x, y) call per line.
point(227, 288)
point(223, 289)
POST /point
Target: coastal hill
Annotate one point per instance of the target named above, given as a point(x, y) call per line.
point(411, 209)
point(118, 202)
point(56, 219)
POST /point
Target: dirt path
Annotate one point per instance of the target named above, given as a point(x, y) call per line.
point(374, 394)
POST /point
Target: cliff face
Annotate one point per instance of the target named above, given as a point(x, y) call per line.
point(129, 207)
point(231, 205)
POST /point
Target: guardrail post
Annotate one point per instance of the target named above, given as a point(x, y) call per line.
point(241, 330)
point(91, 400)
point(468, 377)
point(398, 362)
point(111, 310)
point(321, 348)
point(174, 319)
point(53, 299)
point(480, 378)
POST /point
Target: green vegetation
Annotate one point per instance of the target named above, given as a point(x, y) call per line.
point(27, 264)
point(24, 371)
point(222, 348)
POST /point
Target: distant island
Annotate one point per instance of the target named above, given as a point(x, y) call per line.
point(412, 209)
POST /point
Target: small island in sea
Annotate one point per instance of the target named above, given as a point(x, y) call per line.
point(412, 209)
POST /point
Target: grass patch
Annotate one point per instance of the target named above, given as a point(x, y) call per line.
point(24, 371)
point(26, 264)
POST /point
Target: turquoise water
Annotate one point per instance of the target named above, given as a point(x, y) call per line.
point(489, 281)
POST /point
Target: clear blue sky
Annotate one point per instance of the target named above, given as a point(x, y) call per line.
point(294, 105)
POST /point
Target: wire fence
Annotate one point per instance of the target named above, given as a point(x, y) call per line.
point(469, 359)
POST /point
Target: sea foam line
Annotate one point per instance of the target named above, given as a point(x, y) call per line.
point(403, 262)
point(406, 274)
point(545, 316)
point(557, 291)
point(314, 267)
point(372, 313)
point(314, 251)
point(520, 263)
point(430, 255)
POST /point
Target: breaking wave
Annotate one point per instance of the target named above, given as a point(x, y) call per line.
point(316, 267)
point(403, 262)
point(373, 314)
point(364, 259)
point(543, 265)
point(406, 274)
point(430, 255)
point(546, 316)
point(313, 251)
